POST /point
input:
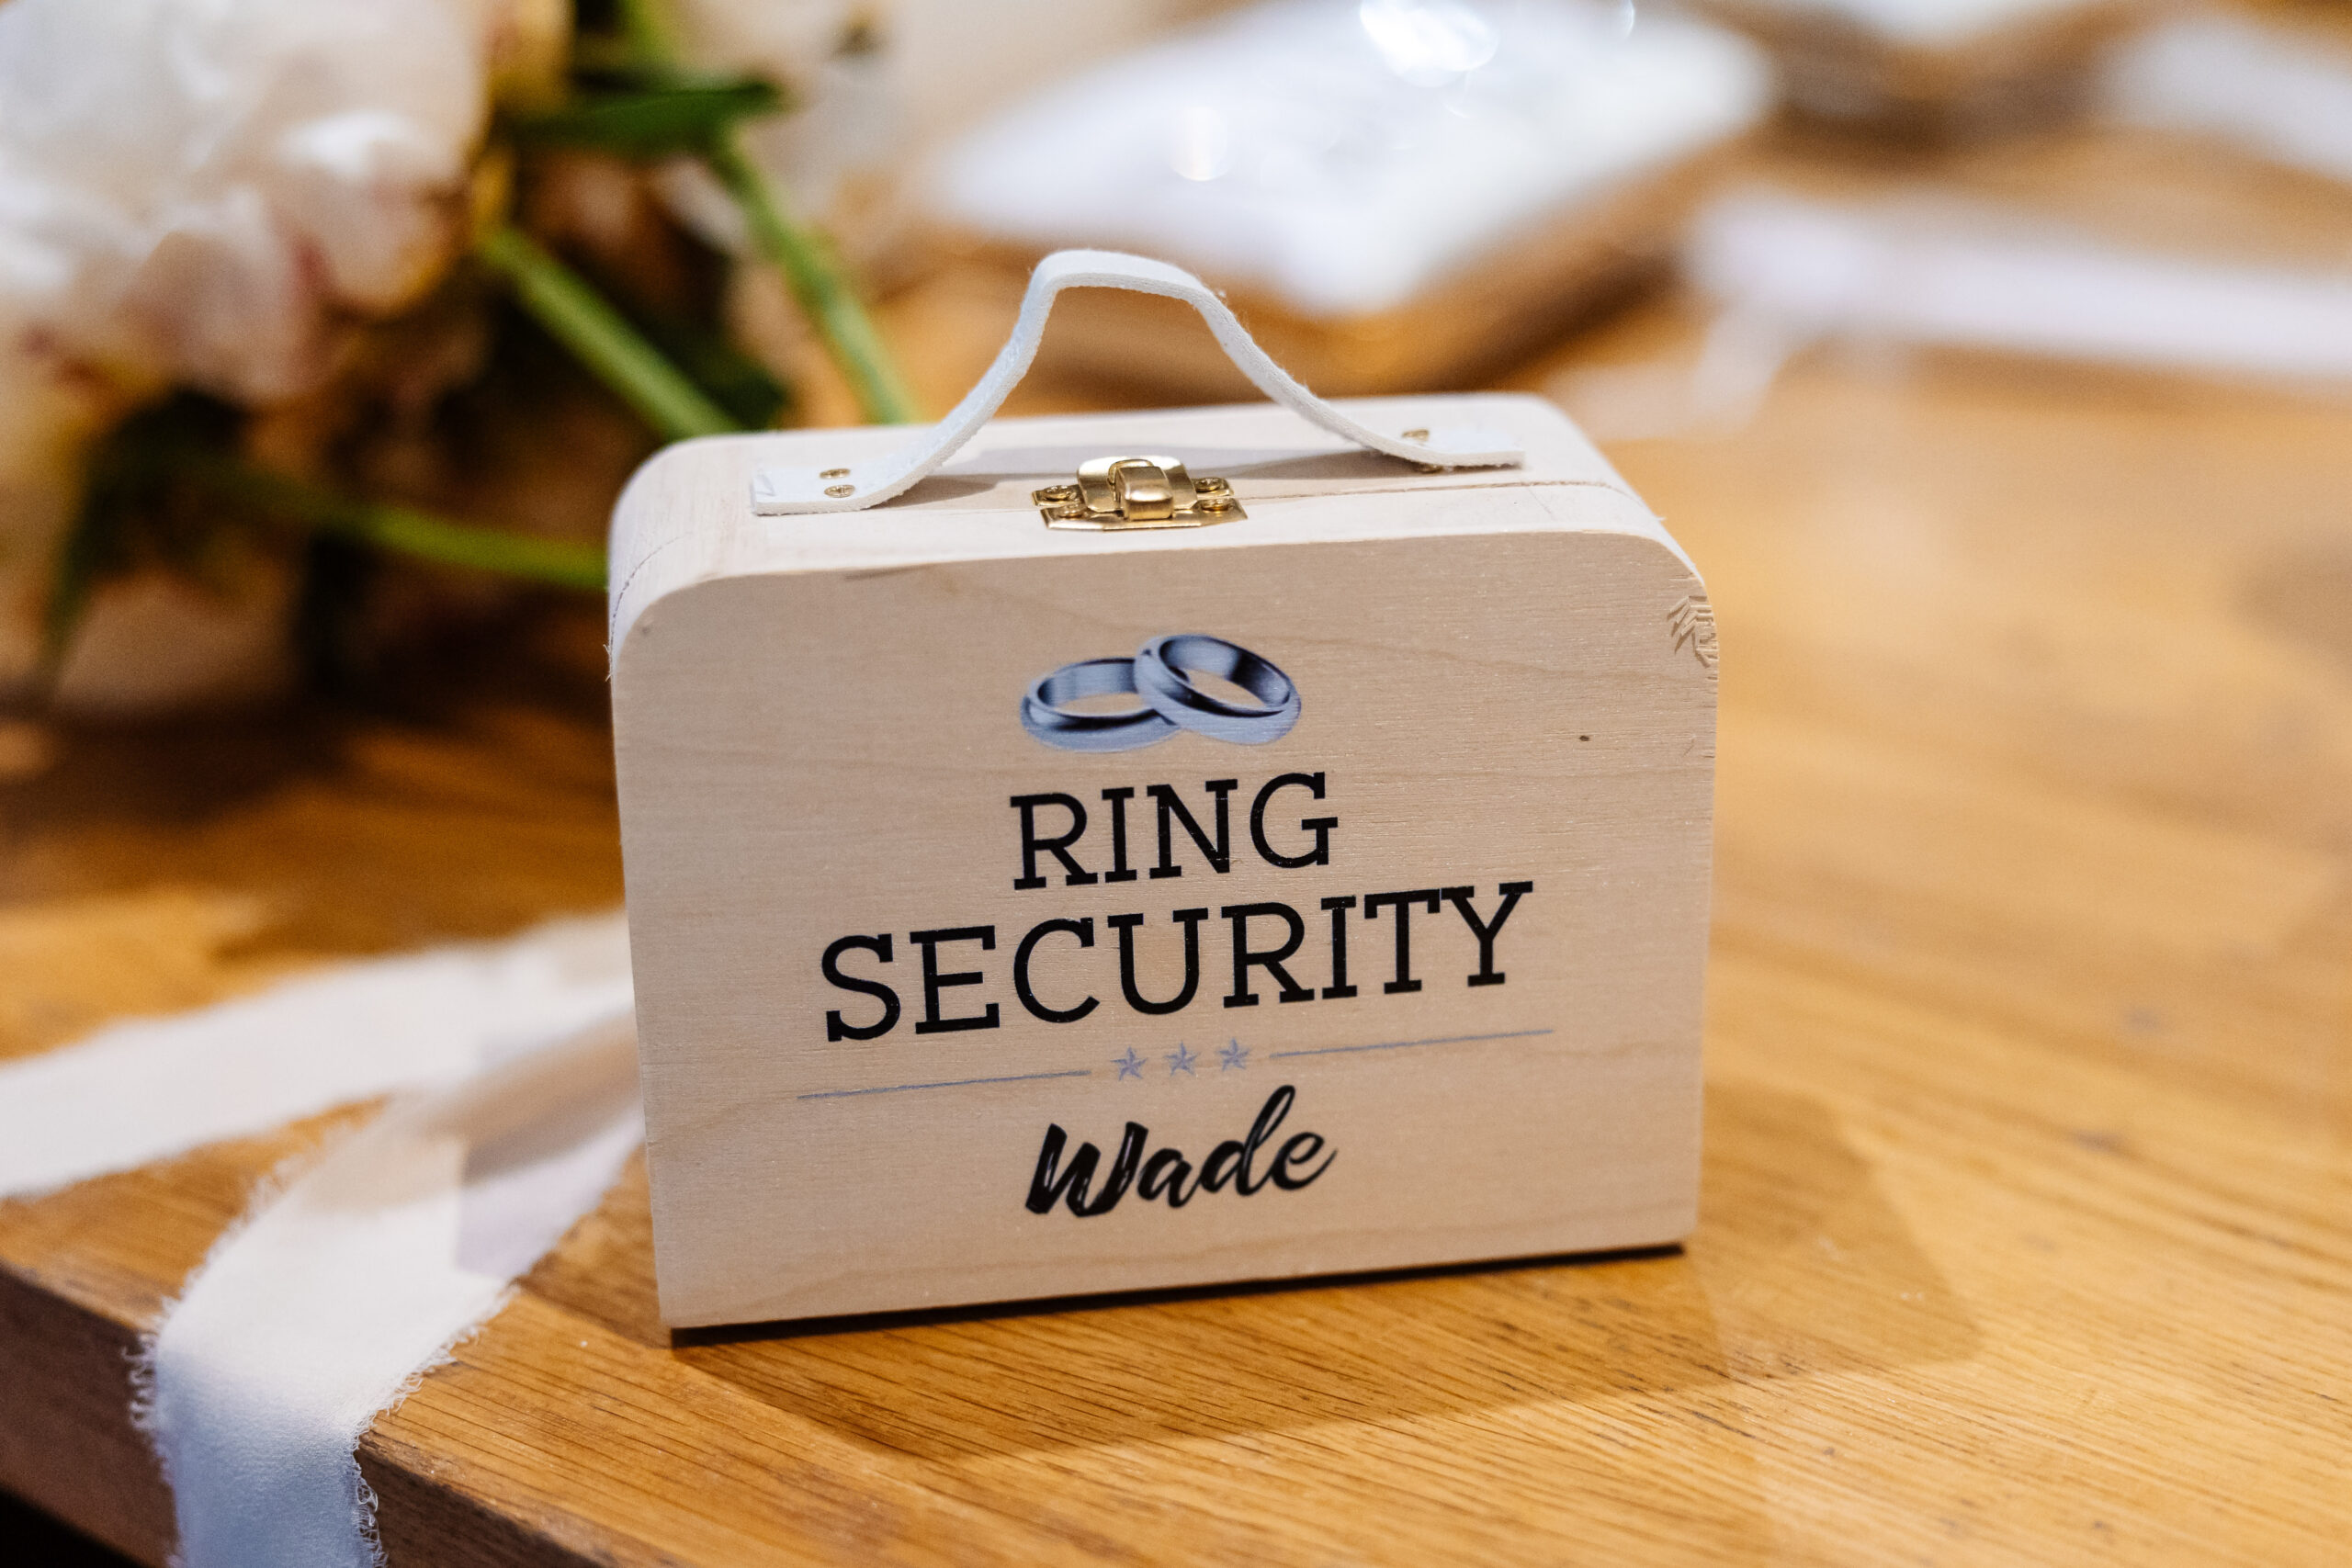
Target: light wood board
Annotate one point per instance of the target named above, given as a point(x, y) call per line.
point(1507, 715)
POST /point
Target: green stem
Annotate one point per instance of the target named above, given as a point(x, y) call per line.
point(564, 303)
point(644, 28)
point(75, 583)
point(820, 286)
point(385, 525)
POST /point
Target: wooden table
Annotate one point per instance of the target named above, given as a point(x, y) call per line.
point(2027, 1230)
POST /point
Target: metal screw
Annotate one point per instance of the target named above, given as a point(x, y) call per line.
point(841, 490)
point(834, 474)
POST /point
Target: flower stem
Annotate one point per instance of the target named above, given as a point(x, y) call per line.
point(562, 302)
point(646, 31)
point(818, 284)
point(814, 274)
point(387, 525)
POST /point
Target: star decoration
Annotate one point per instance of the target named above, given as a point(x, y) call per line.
point(1181, 1061)
point(1130, 1066)
point(1237, 1055)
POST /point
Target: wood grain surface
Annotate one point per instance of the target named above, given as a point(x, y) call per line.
point(1497, 685)
point(2025, 1231)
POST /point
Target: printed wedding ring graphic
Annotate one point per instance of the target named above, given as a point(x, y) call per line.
point(1160, 679)
point(1161, 675)
point(1044, 715)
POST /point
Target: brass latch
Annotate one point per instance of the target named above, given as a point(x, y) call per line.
point(1135, 492)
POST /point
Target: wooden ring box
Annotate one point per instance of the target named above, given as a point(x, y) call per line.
point(1374, 938)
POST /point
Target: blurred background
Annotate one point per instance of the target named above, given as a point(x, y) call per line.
point(328, 332)
point(1992, 358)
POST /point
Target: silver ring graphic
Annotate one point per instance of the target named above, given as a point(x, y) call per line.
point(1172, 701)
point(1043, 715)
point(1160, 679)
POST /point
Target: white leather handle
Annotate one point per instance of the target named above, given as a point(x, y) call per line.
point(787, 491)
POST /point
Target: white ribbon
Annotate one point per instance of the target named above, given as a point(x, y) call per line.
point(1789, 272)
point(2281, 92)
point(1945, 272)
point(148, 1089)
point(334, 1295)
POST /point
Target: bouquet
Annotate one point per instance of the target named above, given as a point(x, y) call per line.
point(323, 323)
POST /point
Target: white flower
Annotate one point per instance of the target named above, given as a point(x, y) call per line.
point(845, 126)
point(201, 192)
point(189, 187)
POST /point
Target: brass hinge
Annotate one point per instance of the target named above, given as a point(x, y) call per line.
point(1135, 492)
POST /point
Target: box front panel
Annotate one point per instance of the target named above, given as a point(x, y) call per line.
point(938, 1005)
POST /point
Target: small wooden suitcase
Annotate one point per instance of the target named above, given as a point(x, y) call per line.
point(1091, 854)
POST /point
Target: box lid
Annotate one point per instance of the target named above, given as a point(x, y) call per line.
point(687, 518)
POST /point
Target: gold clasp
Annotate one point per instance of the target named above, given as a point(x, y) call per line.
point(1114, 493)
